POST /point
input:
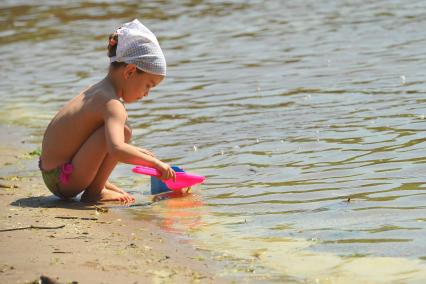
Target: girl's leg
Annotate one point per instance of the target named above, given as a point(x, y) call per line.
point(100, 188)
point(87, 162)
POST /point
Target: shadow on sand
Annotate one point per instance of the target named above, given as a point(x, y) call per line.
point(51, 202)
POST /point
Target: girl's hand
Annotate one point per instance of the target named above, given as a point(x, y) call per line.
point(166, 171)
point(146, 152)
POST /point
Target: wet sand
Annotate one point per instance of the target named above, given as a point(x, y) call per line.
point(71, 241)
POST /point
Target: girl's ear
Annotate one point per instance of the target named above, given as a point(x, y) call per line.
point(129, 70)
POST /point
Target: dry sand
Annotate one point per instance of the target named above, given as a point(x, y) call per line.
point(70, 241)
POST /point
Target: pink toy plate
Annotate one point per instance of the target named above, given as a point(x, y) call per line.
point(183, 179)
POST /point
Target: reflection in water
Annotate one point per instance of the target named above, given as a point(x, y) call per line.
point(175, 212)
point(290, 108)
point(178, 215)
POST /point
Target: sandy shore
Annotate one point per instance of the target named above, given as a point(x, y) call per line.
point(70, 241)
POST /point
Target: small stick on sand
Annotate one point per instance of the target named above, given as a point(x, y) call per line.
point(75, 218)
point(32, 227)
point(66, 217)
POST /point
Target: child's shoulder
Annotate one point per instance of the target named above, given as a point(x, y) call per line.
point(104, 98)
point(100, 91)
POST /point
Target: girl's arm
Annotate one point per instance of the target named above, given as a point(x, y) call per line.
point(145, 151)
point(115, 118)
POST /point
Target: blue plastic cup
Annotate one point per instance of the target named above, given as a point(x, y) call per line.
point(157, 186)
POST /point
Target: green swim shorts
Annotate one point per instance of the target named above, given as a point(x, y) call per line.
point(53, 178)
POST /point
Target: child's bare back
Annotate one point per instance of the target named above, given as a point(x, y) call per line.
point(89, 136)
point(73, 124)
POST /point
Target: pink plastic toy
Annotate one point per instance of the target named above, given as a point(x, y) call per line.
point(183, 179)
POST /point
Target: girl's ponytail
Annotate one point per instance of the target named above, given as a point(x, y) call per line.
point(112, 44)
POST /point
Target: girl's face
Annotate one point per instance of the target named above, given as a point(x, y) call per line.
point(138, 84)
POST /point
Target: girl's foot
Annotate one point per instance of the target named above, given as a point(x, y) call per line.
point(113, 187)
point(104, 196)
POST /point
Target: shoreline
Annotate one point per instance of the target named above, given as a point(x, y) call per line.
point(72, 241)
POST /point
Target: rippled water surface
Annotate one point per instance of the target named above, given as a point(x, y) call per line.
point(307, 117)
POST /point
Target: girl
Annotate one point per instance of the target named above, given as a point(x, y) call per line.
point(89, 136)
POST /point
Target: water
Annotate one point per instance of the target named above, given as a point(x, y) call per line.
point(307, 117)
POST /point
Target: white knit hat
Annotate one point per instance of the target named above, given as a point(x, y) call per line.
point(138, 45)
